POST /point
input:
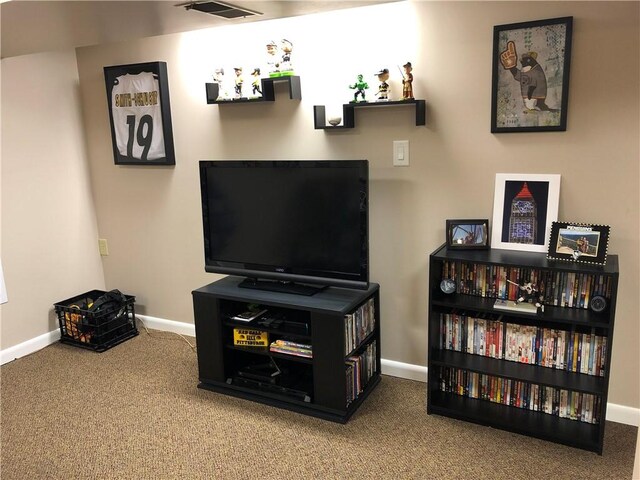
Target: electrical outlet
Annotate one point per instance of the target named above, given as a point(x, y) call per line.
point(401, 153)
point(104, 248)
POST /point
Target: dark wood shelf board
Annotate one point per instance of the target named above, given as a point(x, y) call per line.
point(329, 300)
point(535, 424)
point(570, 316)
point(529, 259)
point(268, 91)
point(267, 353)
point(275, 400)
point(362, 345)
point(520, 371)
point(348, 115)
point(292, 404)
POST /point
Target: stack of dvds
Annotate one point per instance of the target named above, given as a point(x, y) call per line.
point(557, 288)
point(548, 347)
point(583, 407)
point(360, 368)
point(358, 325)
point(291, 348)
point(481, 334)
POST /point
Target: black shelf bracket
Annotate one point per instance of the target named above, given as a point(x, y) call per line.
point(348, 113)
point(268, 91)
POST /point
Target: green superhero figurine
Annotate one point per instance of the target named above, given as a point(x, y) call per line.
point(359, 87)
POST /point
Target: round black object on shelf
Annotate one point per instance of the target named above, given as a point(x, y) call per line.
point(598, 303)
point(448, 286)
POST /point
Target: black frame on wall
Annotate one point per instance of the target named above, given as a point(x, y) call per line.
point(544, 47)
point(140, 114)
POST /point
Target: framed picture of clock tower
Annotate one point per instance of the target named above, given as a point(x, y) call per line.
point(524, 207)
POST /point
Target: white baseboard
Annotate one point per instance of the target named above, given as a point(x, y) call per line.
point(28, 347)
point(181, 328)
point(404, 370)
point(615, 413)
point(623, 414)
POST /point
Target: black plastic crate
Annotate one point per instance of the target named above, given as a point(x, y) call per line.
point(96, 329)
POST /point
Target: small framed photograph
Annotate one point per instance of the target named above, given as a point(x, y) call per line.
point(530, 84)
point(140, 114)
point(524, 206)
point(578, 242)
point(468, 234)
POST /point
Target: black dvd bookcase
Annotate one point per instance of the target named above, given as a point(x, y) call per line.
point(541, 373)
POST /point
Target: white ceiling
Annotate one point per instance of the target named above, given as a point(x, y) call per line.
point(40, 26)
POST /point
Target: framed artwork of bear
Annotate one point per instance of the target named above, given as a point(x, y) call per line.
point(530, 81)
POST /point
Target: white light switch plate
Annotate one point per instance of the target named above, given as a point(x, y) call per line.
point(401, 153)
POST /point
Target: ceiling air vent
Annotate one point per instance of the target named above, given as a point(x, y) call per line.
point(219, 9)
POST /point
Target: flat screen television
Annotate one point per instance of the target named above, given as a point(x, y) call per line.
point(294, 226)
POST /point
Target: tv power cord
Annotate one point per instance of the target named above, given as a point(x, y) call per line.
point(193, 347)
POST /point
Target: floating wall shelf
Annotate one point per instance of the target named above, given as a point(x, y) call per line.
point(348, 113)
point(268, 91)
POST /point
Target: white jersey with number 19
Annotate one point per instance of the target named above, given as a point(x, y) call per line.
point(137, 120)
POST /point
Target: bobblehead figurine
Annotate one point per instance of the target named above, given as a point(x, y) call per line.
point(383, 88)
point(239, 81)
point(223, 93)
point(256, 83)
point(286, 67)
point(407, 82)
point(533, 81)
point(273, 62)
point(528, 293)
point(360, 86)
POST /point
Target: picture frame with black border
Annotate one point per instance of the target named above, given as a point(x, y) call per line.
point(140, 114)
point(530, 76)
point(579, 242)
point(466, 234)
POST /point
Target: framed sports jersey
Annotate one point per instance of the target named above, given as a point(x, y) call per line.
point(140, 114)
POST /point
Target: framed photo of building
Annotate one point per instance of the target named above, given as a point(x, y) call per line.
point(579, 242)
point(524, 207)
point(140, 114)
point(468, 234)
point(530, 80)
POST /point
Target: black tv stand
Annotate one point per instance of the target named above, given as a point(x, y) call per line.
point(341, 335)
point(282, 287)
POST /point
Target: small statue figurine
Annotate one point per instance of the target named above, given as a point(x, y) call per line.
point(218, 79)
point(360, 86)
point(272, 62)
point(239, 81)
point(383, 88)
point(407, 82)
point(528, 293)
point(256, 83)
point(286, 68)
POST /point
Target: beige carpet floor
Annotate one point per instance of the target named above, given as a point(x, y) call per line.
point(134, 412)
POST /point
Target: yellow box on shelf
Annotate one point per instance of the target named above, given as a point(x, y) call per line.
point(250, 338)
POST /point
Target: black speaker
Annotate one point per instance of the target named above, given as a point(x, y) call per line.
point(447, 285)
point(598, 303)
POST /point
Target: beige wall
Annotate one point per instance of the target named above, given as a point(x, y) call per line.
point(49, 229)
point(151, 215)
